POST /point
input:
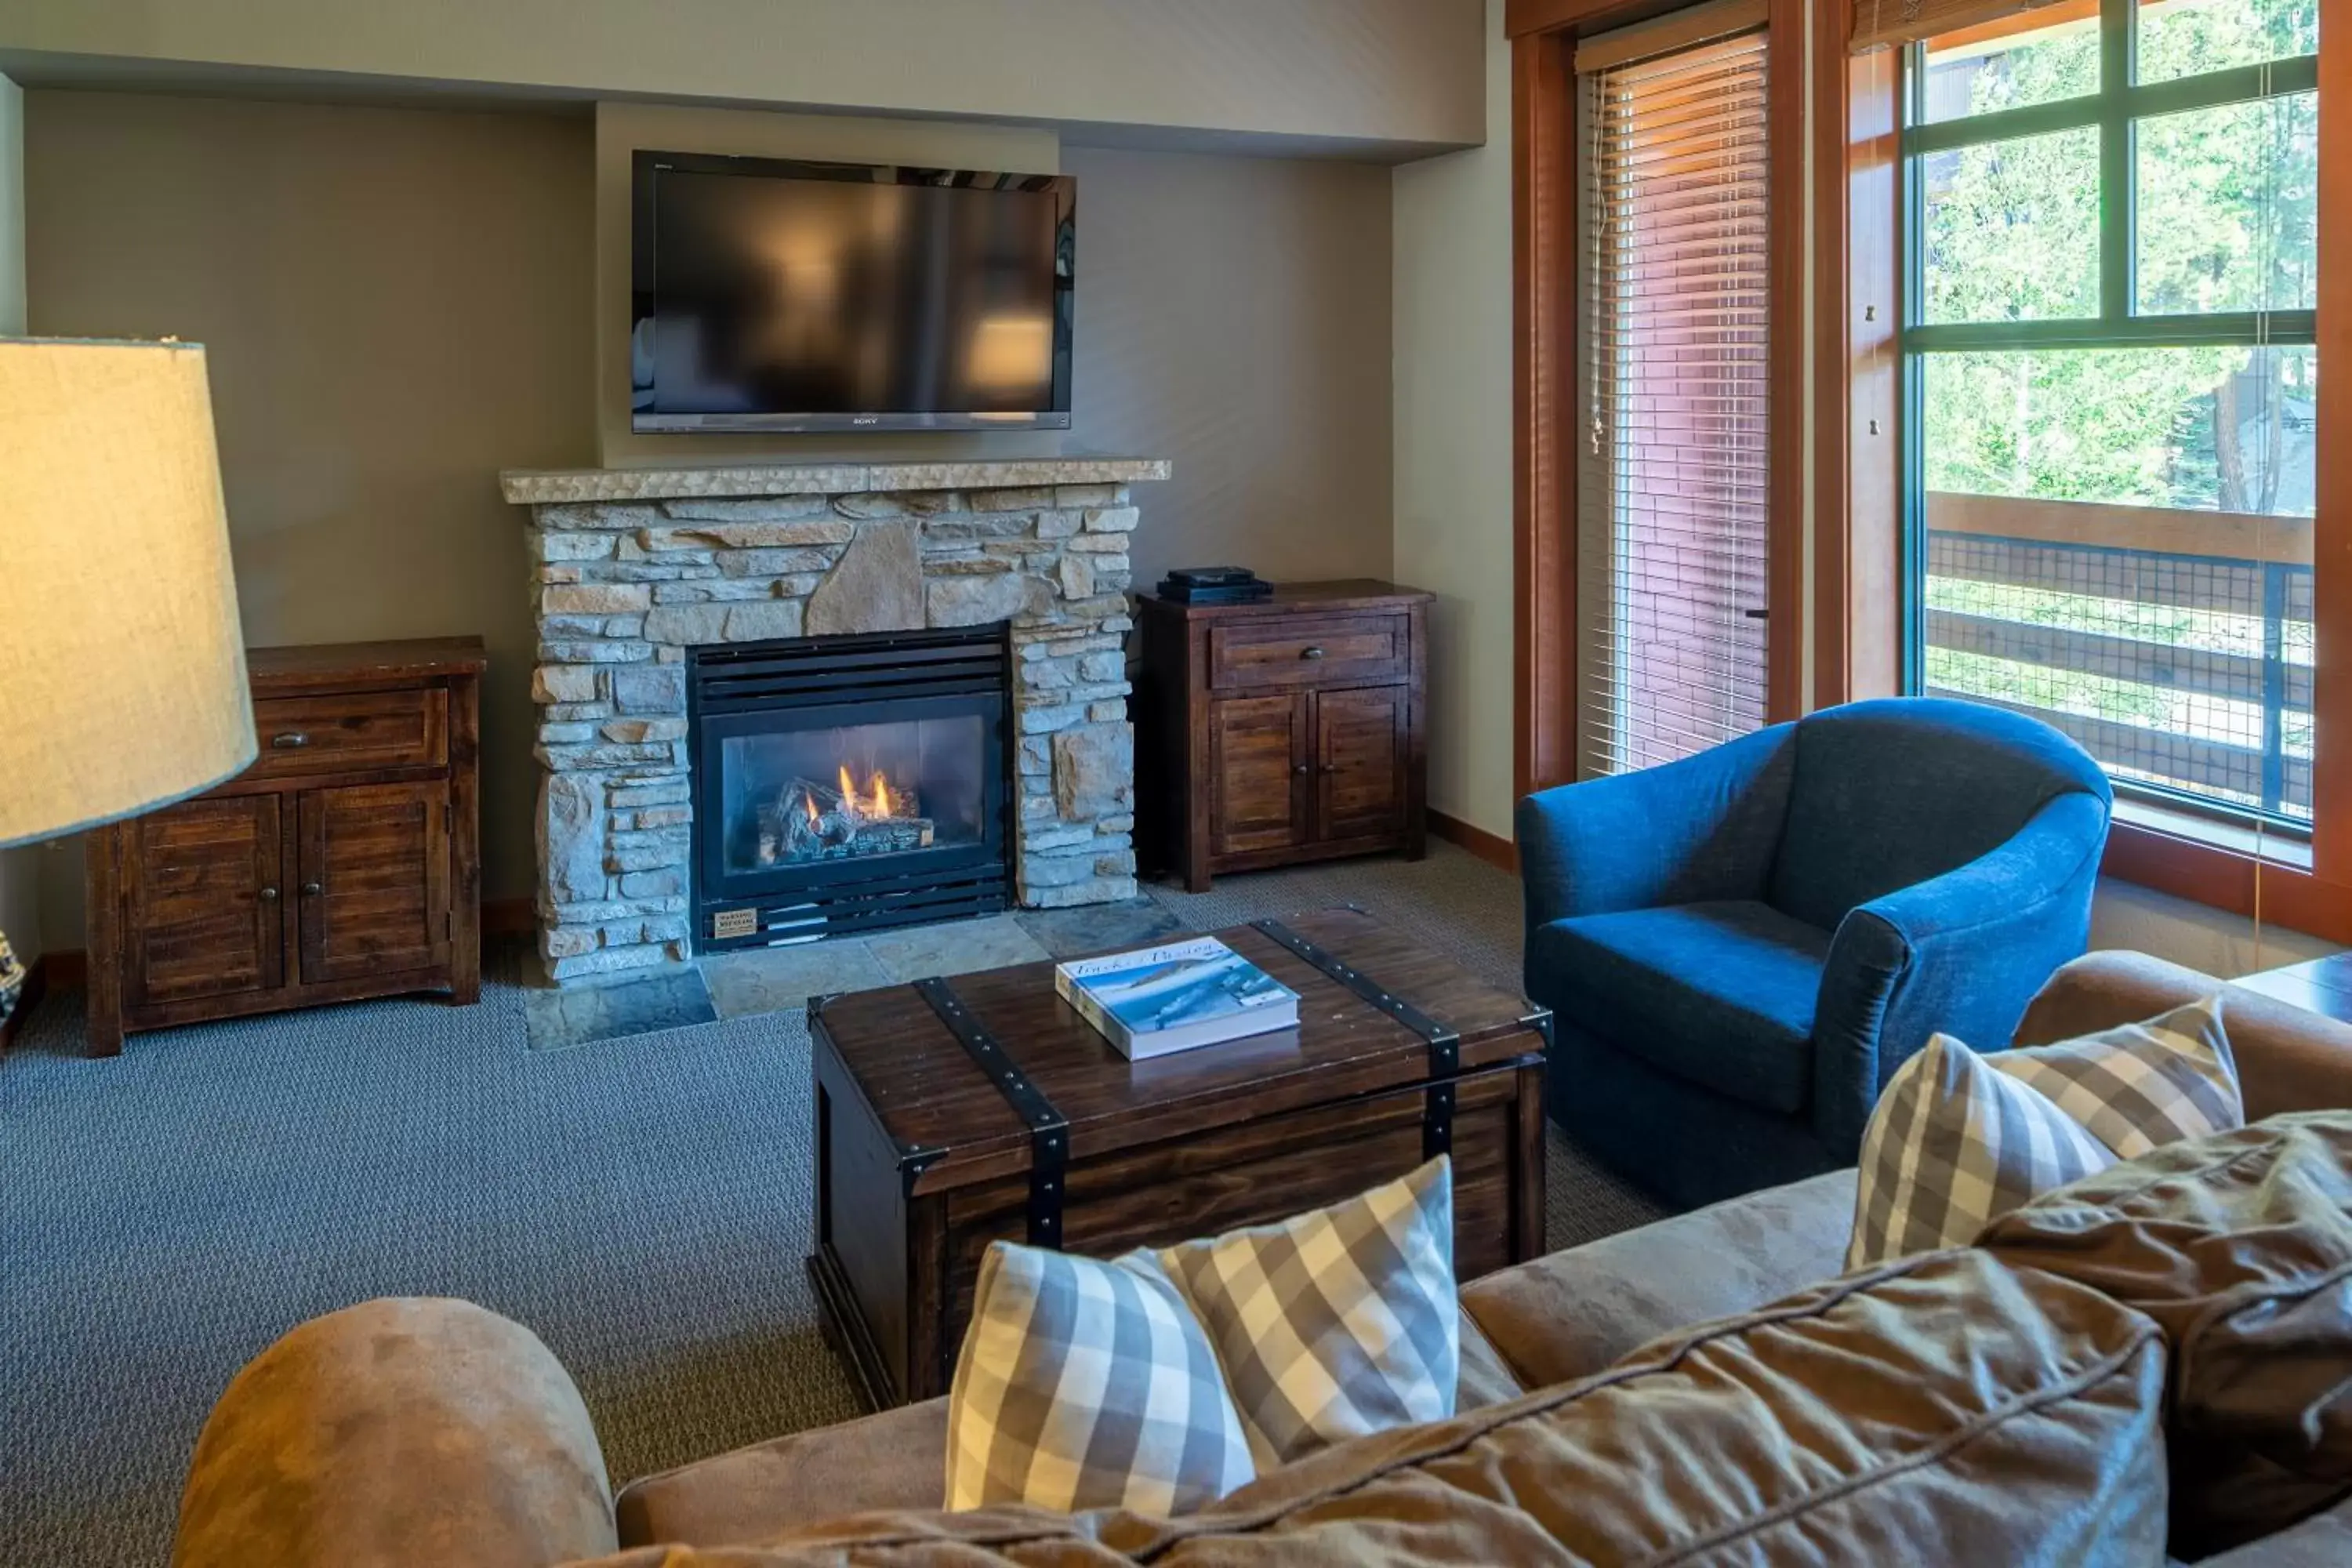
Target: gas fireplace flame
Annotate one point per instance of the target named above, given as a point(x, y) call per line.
point(881, 795)
point(810, 801)
point(848, 791)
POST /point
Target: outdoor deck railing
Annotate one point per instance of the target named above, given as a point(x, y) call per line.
point(2174, 645)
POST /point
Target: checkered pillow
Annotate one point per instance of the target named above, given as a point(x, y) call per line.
point(1954, 1144)
point(2142, 1085)
point(1338, 1322)
point(1085, 1383)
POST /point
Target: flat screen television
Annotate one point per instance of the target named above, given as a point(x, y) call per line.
point(775, 294)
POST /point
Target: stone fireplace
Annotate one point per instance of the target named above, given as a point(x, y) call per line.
point(633, 568)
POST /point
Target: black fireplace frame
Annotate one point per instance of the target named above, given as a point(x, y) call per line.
point(823, 681)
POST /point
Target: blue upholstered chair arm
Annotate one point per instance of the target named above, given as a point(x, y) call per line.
point(1962, 953)
point(1703, 827)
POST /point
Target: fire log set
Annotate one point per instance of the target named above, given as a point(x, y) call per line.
point(841, 821)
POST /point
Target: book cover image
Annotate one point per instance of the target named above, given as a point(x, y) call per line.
point(1166, 988)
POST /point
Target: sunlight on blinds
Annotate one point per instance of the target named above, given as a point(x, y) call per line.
point(1671, 509)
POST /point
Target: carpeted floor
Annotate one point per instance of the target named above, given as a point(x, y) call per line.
point(641, 1203)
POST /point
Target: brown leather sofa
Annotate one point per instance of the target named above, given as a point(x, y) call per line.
point(1597, 1424)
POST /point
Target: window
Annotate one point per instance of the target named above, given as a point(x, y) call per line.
point(2112, 386)
point(1673, 506)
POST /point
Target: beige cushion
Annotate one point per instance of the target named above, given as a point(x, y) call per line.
point(1576, 1311)
point(891, 1460)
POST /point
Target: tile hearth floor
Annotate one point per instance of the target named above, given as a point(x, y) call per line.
point(771, 980)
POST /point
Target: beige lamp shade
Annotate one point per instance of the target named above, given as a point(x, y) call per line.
point(122, 663)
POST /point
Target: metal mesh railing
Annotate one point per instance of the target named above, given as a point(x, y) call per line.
point(2191, 673)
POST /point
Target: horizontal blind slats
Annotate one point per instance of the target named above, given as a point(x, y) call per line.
point(1671, 510)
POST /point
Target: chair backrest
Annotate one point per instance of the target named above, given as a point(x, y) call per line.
point(1892, 793)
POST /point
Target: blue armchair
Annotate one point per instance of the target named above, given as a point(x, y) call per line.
point(1741, 947)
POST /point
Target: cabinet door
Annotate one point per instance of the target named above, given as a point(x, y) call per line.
point(1257, 759)
point(374, 897)
point(1359, 762)
point(202, 911)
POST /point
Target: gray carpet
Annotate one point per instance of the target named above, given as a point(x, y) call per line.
point(641, 1203)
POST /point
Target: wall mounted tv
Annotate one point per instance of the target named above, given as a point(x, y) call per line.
point(783, 295)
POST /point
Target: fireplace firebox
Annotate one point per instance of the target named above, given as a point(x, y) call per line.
point(845, 784)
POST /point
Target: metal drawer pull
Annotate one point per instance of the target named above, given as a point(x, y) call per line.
point(1310, 652)
point(310, 889)
point(268, 895)
point(289, 740)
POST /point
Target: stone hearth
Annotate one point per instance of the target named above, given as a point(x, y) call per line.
point(632, 567)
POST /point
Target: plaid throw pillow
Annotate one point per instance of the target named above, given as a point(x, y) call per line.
point(1338, 1322)
point(1954, 1144)
point(2142, 1085)
point(1085, 1383)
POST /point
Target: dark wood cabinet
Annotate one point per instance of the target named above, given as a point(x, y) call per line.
point(344, 863)
point(1288, 729)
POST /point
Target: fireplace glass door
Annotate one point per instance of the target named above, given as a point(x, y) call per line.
point(852, 791)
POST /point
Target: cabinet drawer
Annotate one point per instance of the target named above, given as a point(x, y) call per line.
point(1293, 652)
point(340, 731)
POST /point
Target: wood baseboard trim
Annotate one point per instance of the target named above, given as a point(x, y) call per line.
point(1500, 853)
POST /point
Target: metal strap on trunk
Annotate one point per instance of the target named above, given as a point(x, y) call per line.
point(1049, 1130)
point(1445, 1044)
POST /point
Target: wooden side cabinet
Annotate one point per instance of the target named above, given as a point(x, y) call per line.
point(345, 863)
point(1284, 730)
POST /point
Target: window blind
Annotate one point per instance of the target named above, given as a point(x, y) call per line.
point(1890, 24)
point(1672, 498)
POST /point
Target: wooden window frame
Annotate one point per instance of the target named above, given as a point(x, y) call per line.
point(1859, 546)
point(1547, 189)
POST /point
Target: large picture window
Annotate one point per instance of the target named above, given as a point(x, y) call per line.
point(2112, 384)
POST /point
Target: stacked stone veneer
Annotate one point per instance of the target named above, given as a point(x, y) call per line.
point(631, 568)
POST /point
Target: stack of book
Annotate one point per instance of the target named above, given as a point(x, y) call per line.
point(1176, 996)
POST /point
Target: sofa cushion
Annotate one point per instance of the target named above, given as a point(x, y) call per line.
point(1335, 1322)
point(1085, 1382)
point(1573, 1312)
point(1953, 1143)
point(890, 1461)
point(2003, 1415)
point(2240, 1246)
point(1717, 993)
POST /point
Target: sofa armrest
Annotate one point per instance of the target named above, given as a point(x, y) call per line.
point(1703, 827)
point(1963, 953)
point(393, 1433)
point(2288, 1058)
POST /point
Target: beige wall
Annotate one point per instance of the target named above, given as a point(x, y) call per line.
point(396, 306)
point(1452, 420)
point(20, 870)
point(1370, 71)
point(398, 302)
point(1233, 314)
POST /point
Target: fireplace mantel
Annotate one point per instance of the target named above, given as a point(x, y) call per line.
point(632, 567)
point(549, 487)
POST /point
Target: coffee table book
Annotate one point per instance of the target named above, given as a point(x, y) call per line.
point(1176, 996)
point(949, 1114)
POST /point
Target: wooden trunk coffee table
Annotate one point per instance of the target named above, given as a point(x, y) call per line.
point(952, 1113)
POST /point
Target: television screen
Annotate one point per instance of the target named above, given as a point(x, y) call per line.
point(775, 295)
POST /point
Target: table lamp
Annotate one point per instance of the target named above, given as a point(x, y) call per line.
point(121, 664)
